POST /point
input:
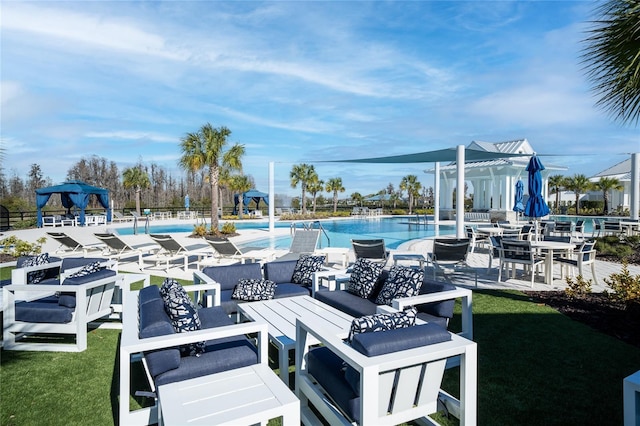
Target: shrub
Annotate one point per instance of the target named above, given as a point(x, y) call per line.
point(398, 212)
point(228, 228)
point(577, 288)
point(16, 247)
point(200, 230)
point(626, 288)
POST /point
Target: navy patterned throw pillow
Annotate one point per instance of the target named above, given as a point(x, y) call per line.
point(253, 290)
point(383, 322)
point(364, 277)
point(182, 313)
point(403, 281)
point(170, 286)
point(87, 269)
point(305, 267)
point(36, 276)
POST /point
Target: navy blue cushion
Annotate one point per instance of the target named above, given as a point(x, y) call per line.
point(280, 272)
point(441, 321)
point(229, 275)
point(153, 322)
point(77, 262)
point(43, 311)
point(400, 339)
point(290, 290)
point(98, 275)
point(327, 368)
point(220, 355)
point(347, 302)
point(214, 317)
point(148, 293)
point(442, 309)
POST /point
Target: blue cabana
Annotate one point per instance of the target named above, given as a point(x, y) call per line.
point(73, 193)
point(252, 194)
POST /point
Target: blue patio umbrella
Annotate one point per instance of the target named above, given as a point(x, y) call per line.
point(186, 202)
point(518, 207)
point(536, 206)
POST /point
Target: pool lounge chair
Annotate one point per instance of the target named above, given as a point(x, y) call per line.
point(172, 250)
point(225, 249)
point(119, 249)
point(70, 246)
point(303, 242)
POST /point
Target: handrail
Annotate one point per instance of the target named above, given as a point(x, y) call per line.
point(321, 228)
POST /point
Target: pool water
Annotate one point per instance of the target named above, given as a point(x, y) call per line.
point(337, 233)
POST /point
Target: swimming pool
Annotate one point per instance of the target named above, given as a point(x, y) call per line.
point(338, 233)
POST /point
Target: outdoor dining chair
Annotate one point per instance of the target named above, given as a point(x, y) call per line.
point(475, 238)
point(586, 255)
point(373, 250)
point(450, 255)
point(516, 252)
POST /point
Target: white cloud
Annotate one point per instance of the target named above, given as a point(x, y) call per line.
point(85, 29)
point(132, 135)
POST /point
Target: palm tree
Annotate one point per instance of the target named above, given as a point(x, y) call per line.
point(335, 185)
point(302, 174)
point(578, 184)
point(138, 179)
point(556, 183)
point(410, 184)
point(606, 184)
point(204, 149)
point(612, 61)
point(240, 184)
point(357, 198)
point(315, 186)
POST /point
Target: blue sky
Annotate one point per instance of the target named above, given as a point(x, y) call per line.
point(297, 82)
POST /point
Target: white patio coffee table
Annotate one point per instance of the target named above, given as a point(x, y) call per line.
point(281, 315)
point(243, 396)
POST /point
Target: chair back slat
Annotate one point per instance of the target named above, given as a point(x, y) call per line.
point(223, 246)
point(408, 383)
point(369, 249)
point(168, 243)
point(450, 252)
point(517, 250)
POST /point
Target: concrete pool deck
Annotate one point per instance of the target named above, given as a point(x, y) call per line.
point(479, 259)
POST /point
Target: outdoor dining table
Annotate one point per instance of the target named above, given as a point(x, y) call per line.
point(489, 230)
point(549, 247)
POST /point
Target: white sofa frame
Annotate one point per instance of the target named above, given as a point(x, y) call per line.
point(132, 347)
point(392, 380)
point(93, 301)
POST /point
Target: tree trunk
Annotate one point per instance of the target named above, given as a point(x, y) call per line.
point(335, 202)
point(213, 178)
point(138, 190)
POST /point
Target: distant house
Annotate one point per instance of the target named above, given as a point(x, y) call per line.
point(493, 181)
point(618, 200)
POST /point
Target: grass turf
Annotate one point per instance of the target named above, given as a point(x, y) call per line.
point(536, 366)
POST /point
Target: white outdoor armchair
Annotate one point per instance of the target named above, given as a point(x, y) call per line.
point(392, 388)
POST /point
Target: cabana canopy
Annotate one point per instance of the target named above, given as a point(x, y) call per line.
point(252, 194)
point(73, 193)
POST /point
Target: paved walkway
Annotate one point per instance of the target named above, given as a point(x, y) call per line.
point(479, 259)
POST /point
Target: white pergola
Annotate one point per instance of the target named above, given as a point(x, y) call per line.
point(479, 154)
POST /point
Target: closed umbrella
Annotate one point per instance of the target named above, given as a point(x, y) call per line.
point(186, 202)
point(518, 207)
point(536, 206)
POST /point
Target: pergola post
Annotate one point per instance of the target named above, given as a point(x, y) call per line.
point(635, 185)
point(436, 195)
point(460, 192)
point(272, 197)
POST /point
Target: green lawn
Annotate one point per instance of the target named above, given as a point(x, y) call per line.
point(535, 367)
